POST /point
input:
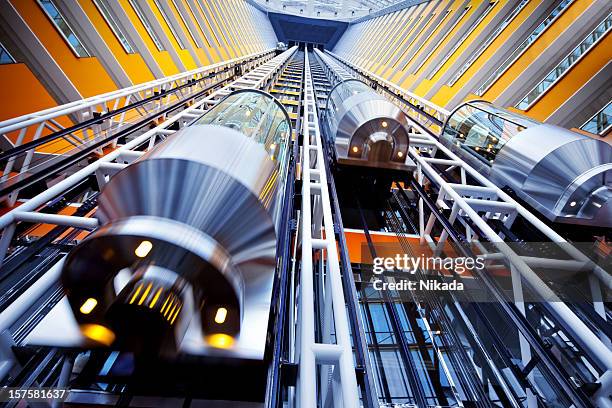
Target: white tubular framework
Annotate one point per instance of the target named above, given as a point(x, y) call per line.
point(466, 199)
point(103, 168)
point(182, 87)
point(106, 166)
point(338, 380)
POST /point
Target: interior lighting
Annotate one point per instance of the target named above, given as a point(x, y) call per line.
point(88, 306)
point(143, 249)
point(220, 315)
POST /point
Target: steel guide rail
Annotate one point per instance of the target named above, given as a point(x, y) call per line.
point(466, 199)
point(103, 115)
point(282, 297)
point(102, 169)
point(419, 108)
point(339, 384)
point(370, 399)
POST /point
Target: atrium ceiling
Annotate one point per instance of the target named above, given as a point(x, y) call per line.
point(344, 10)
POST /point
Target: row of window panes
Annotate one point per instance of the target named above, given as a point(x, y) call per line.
point(561, 7)
point(601, 122)
point(416, 52)
point(194, 12)
point(56, 17)
point(193, 37)
point(5, 57)
point(167, 20)
point(462, 40)
point(488, 41)
point(104, 9)
point(465, 11)
point(64, 28)
point(146, 24)
point(567, 62)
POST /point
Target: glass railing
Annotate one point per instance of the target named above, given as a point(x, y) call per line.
point(488, 41)
point(461, 41)
point(561, 7)
point(566, 63)
point(601, 122)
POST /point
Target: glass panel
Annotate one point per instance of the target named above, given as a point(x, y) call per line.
point(62, 25)
point(104, 9)
point(601, 122)
point(167, 20)
point(441, 41)
point(184, 19)
point(336, 99)
point(488, 41)
point(524, 45)
point(483, 132)
point(600, 31)
point(5, 57)
point(255, 114)
point(459, 42)
point(146, 24)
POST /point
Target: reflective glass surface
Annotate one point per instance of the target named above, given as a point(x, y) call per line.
point(483, 130)
point(5, 57)
point(258, 116)
point(556, 12)
point(62, 25)
point(566, 63)
point(601, 122)
point(104, 8)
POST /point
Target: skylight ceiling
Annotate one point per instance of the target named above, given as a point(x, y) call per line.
point(345, 10)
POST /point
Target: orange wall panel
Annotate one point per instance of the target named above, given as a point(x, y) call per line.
point(133, 64)
point(79, 70)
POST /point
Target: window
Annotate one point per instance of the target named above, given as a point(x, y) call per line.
point(64, 28)
point(104, 9)
point(561, 7)
point(424, 41)
point(452, 27)
point(212, 30)
point(488, 42)
point(566, 63)
point(601, 122)
point(195, 13)
point(147, 26)
point(5, 57)
point(167, 20)
point(184, 19)
point(462, 39)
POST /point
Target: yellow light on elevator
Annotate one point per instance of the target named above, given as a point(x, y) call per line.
point(88, 306)
point(220, 340)
point(355, 149)
point(143, 249)
point(400, 154)
point(98, 333)
point(155, 298)
point(384, 124)
point(220, 315)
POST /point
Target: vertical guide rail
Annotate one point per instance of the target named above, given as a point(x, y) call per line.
point(339, 355)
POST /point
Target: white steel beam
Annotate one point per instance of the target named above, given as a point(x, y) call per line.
point(9, 220)
point(317, 231)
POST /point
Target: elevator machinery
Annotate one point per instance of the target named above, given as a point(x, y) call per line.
point(566, 176)
point(185, 256)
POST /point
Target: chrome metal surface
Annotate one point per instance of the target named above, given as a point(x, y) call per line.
point(365, 126)
point(564, 175)
point(205, 201)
